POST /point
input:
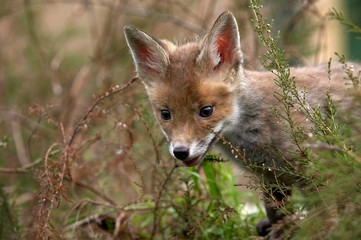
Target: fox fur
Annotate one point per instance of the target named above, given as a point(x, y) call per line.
point(200, 92)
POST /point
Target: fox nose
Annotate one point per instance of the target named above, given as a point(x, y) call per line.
point(181, 153)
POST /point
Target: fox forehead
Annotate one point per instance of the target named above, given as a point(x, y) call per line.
point(186, 84)
point(183, 66)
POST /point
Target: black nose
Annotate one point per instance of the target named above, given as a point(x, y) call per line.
point(181, 153)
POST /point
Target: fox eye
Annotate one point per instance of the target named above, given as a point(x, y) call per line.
point(165, 114)
point(206, 111)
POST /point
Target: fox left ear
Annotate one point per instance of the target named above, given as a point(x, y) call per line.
point(150, 58)
point(222, 44)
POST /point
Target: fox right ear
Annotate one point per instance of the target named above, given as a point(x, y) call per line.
point(222, 43)
point(150, 58)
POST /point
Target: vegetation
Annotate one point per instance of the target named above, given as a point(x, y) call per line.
point(82, 158)
point(333, 161)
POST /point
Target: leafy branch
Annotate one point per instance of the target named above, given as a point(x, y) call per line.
point(336, 15)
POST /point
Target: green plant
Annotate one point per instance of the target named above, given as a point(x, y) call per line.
point(333, 163)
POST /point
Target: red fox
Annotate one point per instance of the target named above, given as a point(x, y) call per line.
point(200, 92)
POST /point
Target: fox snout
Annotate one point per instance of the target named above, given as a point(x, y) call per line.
point(193, 153)
point(181, 153)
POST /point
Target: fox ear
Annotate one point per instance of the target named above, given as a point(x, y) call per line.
point(222, 43)
point(150, 58)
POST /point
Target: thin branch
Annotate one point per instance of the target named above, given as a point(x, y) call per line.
point(23, 169)
point(156, 149)
point(157, 201)
point(114, 90)
point(92, 189)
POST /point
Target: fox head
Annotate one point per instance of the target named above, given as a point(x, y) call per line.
point(192, 88)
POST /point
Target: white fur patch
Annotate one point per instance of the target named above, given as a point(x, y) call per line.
point(198, 148)
point(218, 128)
point(233, 120)
point(171, 148)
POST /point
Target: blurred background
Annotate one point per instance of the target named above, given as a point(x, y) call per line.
point(80, 154)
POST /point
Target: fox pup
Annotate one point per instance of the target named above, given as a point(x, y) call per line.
point(200, 92)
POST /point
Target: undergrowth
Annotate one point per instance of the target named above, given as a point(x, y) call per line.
point(331, 196)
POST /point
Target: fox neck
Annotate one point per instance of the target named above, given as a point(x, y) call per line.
point(247, 109)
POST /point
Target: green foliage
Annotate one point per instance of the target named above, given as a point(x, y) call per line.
point(334, 164)
point(337, 15)
point(9, 227)
point(199, 207)
point(4, 140)
point(275, 61)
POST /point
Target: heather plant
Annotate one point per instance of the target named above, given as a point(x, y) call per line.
point(330, 197)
